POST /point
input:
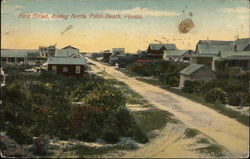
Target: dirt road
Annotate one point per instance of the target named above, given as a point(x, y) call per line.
point(225, 131)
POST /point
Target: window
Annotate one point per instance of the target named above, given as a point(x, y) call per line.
point(54, 69)
point(78, 69)
point(65, 69)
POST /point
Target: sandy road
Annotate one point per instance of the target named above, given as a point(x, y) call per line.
point(225, 131)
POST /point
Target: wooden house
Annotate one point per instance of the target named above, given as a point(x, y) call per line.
point(196, 71)
point(178, 55)
point(68, 66)
point(207, 50)
point(156, 51)
point(234, 59)
point(47, 51)
point(67, 52)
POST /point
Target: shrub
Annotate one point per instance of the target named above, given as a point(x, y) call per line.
point(173, 81)
point(216, 95)
point(43, 105)
point(40, 144)
point(193, 86)
point(239, 98)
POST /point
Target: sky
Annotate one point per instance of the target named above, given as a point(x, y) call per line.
point(24, 24)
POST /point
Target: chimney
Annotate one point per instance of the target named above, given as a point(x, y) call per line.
point(235, 47)
point(207, 37)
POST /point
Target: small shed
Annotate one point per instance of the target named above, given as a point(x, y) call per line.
point(196, 71)
point(74, 67)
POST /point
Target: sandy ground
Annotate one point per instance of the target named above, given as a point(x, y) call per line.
point(227, 132)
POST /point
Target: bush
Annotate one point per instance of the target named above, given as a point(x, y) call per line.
point(216, 95)
point(156, 67)
point(174, 81)
point(193, 86)
point(239, 98)
point(43, 105)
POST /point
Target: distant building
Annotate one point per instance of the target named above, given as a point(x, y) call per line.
point(196, 71)
point(156, 51)
point(47, 51)
point(19, 56)
point(178, 55)
point(67, 66)
point(106, 55)
point(67, 51)
point(118, 50)
point(206, 50)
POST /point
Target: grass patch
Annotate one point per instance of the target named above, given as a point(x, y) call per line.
point(134, 100)
point(148, 106)
point(82, 150)
point(190, 133)
point(116, 82)
point(244, 119)
point(85, 151)
point(153, 119)
point(203, 141)
point(213, 149)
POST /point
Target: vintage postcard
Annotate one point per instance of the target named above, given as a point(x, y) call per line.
point(125, 78)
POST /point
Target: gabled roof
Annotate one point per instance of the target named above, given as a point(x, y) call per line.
point(214, 42)
point(235, 55)
point(214, 46)
point(159, 46)
point(241, 43)
point(213, 49)
point(70, 47)
point(191, 69)
point(66, 61)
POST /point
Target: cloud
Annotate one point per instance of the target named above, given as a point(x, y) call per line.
point(236, 10)
point(142, 11)
point(69, 27)
point(11, 9)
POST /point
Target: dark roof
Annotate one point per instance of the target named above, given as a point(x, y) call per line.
point(70, 47)
point(159, 46)
point(191, 69)
point(66, 61)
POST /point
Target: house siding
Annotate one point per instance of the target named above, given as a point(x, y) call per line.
point(203, 74)
point(71, 70)
point(183, 78)
point(203, 60)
